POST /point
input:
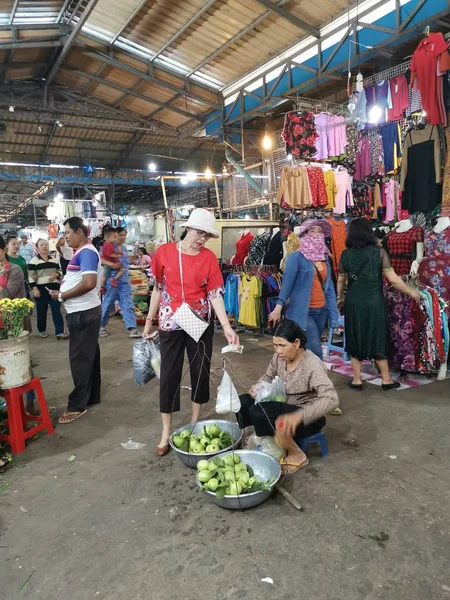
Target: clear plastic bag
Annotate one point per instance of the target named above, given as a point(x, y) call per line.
point(146, 360)
point(270, 391)
point(268, 445)
point(227, 396)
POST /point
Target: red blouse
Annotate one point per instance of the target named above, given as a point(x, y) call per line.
point(202, 280)
point(242, 248)
point(400, 249)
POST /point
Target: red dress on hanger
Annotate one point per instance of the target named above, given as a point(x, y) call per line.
point(242, 249)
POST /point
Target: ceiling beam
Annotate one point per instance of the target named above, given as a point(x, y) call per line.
point(128, 21)
point(21, 65)
point(63, 10)
point(43, 156)
point(131, 92)
point(181, 89)
point(290, 17)
point(145, 60)
point(35, 26)
point(25, 45)
point(185, 27)
point(70, 40)
point(123, 97)
point(13, 12)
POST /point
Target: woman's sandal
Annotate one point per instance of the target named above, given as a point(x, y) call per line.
point(162, 450)
point(70, 417)
point(355, 386)
point(290, 469)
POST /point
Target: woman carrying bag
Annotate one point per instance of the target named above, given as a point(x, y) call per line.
point(188, 284)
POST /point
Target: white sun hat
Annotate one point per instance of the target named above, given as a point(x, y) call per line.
point(203, 220)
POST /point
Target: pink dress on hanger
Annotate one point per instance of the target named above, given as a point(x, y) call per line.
point(337, 135)
point(344, 196)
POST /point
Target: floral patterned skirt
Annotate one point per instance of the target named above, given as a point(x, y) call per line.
point(400, 309)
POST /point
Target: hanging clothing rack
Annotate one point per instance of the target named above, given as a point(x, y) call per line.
point(302, 103)
point(387, 74)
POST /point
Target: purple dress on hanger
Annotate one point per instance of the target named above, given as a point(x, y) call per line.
point(382, 97)
point(321, 123)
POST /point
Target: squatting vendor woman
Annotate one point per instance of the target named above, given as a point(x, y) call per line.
point(307, 291)
point(202, 281)
point(310, 396)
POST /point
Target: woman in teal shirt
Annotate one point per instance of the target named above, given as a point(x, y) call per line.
point(13, 245)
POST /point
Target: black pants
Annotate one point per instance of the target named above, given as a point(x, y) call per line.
point(42, 304)
point(173, 345)
point(84, 357)
point(263, 416)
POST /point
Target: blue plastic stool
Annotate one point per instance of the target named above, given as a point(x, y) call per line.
point(337, 349)
point(319, 438)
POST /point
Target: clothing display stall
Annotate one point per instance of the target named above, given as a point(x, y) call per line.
point(250, 295)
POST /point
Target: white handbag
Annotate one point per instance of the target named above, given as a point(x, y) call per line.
point(185, 317)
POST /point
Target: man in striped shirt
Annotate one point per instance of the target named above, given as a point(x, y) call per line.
point(80, 293)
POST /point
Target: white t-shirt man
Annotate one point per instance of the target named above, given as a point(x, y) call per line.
point(85, 260)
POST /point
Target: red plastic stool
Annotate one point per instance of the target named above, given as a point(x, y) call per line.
point(17, 417)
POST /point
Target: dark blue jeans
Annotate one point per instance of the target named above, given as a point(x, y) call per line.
point(317, 320)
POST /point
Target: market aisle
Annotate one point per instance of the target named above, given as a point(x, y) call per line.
point(125, 525)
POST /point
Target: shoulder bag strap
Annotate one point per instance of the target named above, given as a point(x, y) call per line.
point(181, 273)
point(358, 271)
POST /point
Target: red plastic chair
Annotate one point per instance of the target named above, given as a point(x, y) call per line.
point(17, 417)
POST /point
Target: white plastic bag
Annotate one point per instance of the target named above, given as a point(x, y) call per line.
point(273, 391)
point(146, 360)
point(227, 396)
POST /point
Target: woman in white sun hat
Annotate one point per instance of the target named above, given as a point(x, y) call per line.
point(186, 273)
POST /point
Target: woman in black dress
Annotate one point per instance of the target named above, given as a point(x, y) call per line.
point(363, 265)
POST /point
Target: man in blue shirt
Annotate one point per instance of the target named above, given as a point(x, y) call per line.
point(26, 249)
point(80, 293)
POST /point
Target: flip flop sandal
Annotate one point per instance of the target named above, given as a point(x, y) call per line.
point(290, 469)
point(70, 417)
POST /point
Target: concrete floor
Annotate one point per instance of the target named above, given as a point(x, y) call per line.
point(125, 525)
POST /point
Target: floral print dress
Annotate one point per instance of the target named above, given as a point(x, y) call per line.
point(300, 134)
point(434, 269)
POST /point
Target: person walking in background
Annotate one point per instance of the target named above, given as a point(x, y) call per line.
point(80, 294)
point(65, 254)
point(363, 266)
point(307, 290)
point(122, 292)
point(44, 275)
point(26, 250)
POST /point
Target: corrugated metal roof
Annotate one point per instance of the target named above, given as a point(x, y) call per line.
point(157, 22)
point(35, 11)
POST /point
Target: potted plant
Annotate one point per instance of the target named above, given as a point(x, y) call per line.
point(15, 362)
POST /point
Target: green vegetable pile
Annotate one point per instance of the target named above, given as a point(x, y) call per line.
point(228, 476)
point(211, 440)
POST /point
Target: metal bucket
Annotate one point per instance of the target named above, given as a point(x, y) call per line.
point(191, 460)
point(264, 467)
point(15, 362)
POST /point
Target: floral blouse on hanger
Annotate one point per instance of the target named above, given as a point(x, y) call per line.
point(300, 134)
